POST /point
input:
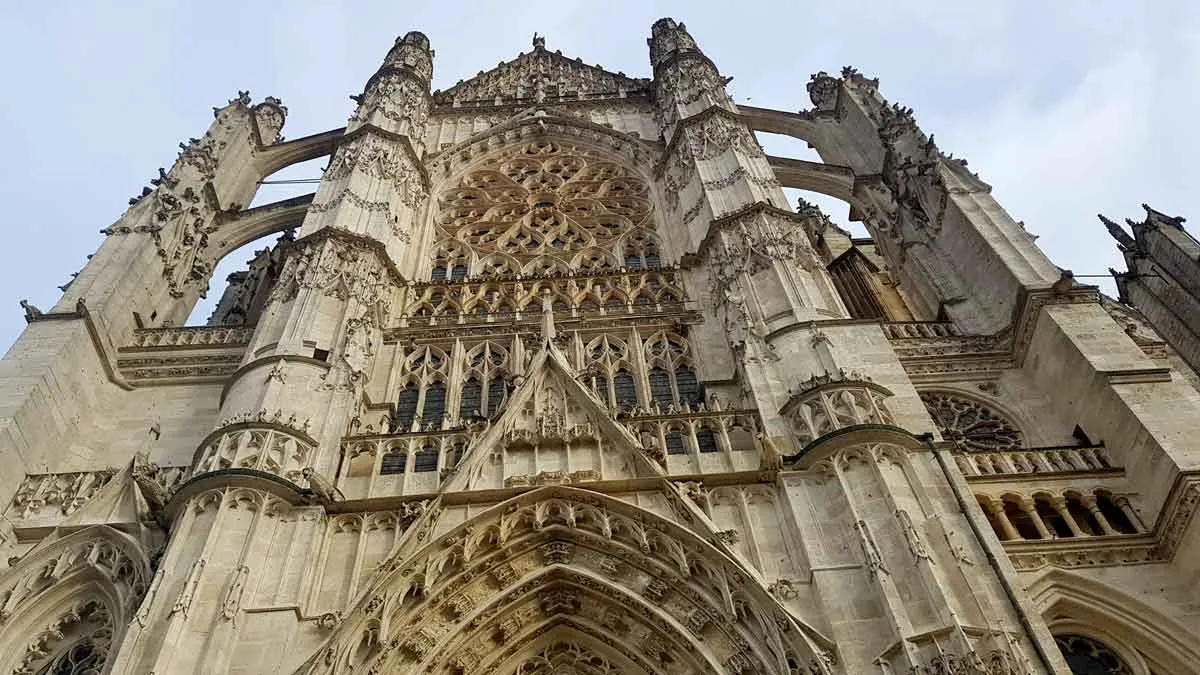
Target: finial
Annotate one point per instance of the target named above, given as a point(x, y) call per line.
point(1117, 232)
point(548, 332)
point(539, 41)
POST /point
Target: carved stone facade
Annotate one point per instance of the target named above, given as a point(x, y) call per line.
point(549, 378)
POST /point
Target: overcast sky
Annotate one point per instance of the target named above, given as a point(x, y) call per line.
point(1067, 108)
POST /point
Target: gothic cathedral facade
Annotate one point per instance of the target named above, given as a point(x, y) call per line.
point(549, 378)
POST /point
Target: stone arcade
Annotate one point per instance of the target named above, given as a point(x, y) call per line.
point(548, 377)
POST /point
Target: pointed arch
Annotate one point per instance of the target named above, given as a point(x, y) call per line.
point(1144, 637)
point(560, 557)
point(81, 586)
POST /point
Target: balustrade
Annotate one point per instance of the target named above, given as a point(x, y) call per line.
point(1033, 460)
point(192, 336)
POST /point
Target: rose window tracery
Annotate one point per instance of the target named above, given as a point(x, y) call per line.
point(1085, 656)
point(547, 200)
point(971, 425)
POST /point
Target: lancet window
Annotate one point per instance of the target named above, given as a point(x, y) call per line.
point(486, 386)
point(421, 403)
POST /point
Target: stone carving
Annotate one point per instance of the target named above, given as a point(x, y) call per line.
point(321, 486)
point(260, 442)
point(832, 401)
point(823, 90)
point(64, 492)
point(540, 76)
point(233, 594)
point(871, 555)
point(184, 600)
point(912, 537)
point(971, 425)
point(344, 267)
point(77, 640)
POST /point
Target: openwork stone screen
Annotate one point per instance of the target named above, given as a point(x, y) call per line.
point(544, 209)
point(970, 424)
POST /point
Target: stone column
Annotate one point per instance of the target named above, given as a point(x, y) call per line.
point(1060, 505)
point(1122, 502)
point(1030, 509)
point(993, 507)
point(1090, 502)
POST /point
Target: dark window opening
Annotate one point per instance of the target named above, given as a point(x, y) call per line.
point(706, 441)
point(406, 408)
point(393, 463)
point(675, 443)
point(497, 390)
point(660, 388)
point(689, 387)
point(470, 405)
point(435, 405)
point(321, 354)
point(625, 390)
point(426, 459)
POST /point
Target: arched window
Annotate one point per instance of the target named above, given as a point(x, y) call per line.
point(675, 443)
point(395, 461)
point(689, 387)
point(660, 388)
point(972, 425)
point(497, 391)
point(624, 389)
point(434, 409)
point(406, 408)
point(1082, 515)
point(426, 458)
point(706, 440)
point(83, 658)
point(1085, 656)
point(471, 402)
point(1020, 520)
point(1051, 517)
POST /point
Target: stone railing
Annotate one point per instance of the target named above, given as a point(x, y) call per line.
point(1034, 460)
point(903, 330)
point(192, 336)
point(48, 495)
point(832, 401)
point(262, 443)
point(407, 463)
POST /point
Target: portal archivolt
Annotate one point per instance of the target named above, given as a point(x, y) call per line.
point(644, 595)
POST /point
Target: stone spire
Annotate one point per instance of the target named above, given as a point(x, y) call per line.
point(686, 81)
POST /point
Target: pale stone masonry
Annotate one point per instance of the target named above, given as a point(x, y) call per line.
point(548, 378)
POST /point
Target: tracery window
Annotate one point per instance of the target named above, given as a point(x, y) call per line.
point(970, 424)
point(423, 397)
point(426, 459)
point(84, 658)
point(486, 387)
point(1085, 656)
point(547, 208)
